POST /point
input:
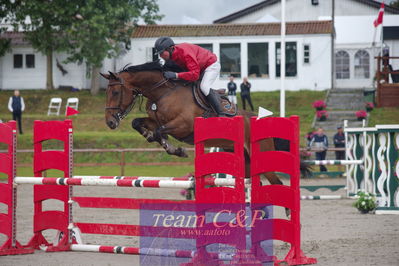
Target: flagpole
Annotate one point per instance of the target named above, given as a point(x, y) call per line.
point(377, 22)
point(282, 61)
point(374, 55)
point(382, 37)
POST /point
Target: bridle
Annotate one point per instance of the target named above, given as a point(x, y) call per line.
point(122, 113)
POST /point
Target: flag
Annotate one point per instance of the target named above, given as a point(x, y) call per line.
point(378, 20)
point(71, 111)
point(263, 113)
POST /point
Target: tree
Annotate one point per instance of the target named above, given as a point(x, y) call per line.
point(5, 13)
point(395, 4)
point(89, 30)
point(43, 21)
point(101, 26)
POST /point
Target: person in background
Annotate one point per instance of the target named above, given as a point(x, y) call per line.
point(246, 93)
point(16, 105)
point(309, 136)
point(339, 142)
point(232, 87)
point(319, 142)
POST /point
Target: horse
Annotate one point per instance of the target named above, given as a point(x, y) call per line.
point(171, 110)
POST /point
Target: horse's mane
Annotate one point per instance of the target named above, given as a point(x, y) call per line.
point(149, 66)
point(153, 66)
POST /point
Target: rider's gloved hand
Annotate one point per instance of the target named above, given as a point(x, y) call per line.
point(170, 75)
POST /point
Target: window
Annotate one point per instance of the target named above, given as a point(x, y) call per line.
point(207, 46)
point(290, 59)
point(230, 59)
point(30, 60)
point(362, 64)
point(150, 55)
point(18, 60)
point(342, 65)
point(306, 53)
point(258, 60)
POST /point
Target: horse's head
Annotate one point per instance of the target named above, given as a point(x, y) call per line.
point(119, 99)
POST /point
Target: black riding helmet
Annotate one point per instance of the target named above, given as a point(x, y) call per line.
point(163, 43)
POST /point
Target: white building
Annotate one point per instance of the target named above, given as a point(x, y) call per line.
point(25, 68)
point(355, 34)
point(252, 50)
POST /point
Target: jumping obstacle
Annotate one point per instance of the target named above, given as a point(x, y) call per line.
point(126, 181)
point(332, 188)
point(372, 164)
point(333, 162)
point(378, 148)
point(8, 193)
point(205, 164)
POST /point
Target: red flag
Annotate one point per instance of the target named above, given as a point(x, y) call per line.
point(71, 111)
point(378, 20)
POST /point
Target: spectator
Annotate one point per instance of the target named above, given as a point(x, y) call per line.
point(309, 136)
point(246, 93)
point(16, 105)
point(339, 142)
point(232, 87)
point(319, 142)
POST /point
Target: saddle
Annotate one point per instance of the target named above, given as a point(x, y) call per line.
point(200, 99)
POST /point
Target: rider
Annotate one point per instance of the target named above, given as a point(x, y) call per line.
point(196, 60)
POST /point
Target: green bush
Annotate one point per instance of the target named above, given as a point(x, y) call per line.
point(366, 202)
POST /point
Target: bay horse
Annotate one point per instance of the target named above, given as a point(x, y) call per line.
point(171, 110)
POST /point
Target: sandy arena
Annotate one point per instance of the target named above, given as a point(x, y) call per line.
point(333, 231)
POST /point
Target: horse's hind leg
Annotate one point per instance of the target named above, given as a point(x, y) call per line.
point(274, 180)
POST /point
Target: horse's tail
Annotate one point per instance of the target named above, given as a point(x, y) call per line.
point(306, 169)
point(284, 145)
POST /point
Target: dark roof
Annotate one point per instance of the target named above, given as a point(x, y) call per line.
point(266, 3)
point(17, 38)
point(250, 29)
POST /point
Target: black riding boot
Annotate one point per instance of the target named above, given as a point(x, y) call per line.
point(213, 100)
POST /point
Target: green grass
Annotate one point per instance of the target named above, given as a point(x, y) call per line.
point(115, 171)
point(89, 124)
point(383, 116)
point(90, 130)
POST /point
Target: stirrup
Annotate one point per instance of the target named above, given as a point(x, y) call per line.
point(213, 100)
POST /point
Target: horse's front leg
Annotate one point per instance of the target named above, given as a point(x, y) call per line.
point(146, 127)
point(149, 129)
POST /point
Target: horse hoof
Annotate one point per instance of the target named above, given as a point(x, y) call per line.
point(181, 152)
point(288, 213)
point(150, 138)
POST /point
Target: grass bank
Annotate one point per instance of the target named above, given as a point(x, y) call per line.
point(90, 130)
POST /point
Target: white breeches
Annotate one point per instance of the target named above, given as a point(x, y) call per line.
point(232, 98)
point(211, 73)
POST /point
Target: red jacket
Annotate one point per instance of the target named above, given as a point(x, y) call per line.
point(193, 58)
